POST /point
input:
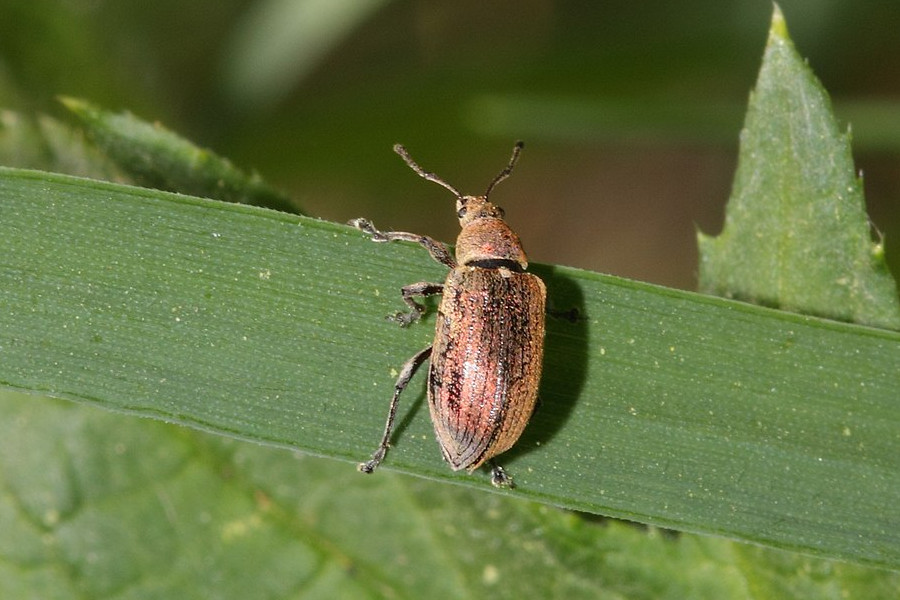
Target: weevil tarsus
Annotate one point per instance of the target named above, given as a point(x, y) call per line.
point(406, 373)
point(499, 478)
point(408, 292)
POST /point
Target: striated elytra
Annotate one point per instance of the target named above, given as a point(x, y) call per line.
point(489, 339)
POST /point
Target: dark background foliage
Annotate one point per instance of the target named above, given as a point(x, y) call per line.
point(631, 111)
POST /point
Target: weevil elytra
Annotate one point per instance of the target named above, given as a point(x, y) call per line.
point(489, 339)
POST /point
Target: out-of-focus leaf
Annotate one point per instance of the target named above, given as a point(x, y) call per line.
point(280, 41)
point(796, 234)
point(42, 142)
point(158, 158)
point(99, 505)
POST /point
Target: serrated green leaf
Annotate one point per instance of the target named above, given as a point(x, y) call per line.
point(796, 234)
point(661, 406)
point(159, 158)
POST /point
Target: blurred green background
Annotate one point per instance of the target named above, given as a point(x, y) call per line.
point(631, 111)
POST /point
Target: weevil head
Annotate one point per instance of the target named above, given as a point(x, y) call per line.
point(472, 208)
point(485, 236)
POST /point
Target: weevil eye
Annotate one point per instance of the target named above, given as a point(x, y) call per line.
point(500, 212)
point(461, 209)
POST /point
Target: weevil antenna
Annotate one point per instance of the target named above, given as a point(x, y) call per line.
point(505, 172)
point(401, 150)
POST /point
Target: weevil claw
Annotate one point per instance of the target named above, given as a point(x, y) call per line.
point(368, 227)
point(370, 465)
point(499, 478)
point(404, 319)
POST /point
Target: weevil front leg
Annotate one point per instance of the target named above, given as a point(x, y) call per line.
point(409, 369)
point(438, 251)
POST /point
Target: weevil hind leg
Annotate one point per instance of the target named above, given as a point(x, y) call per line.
point(572, 314)
point(423, 288)
point(499, 477)
point(436, 249)
point(406, 373)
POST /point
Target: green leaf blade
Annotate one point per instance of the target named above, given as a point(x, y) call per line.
point(796, 235)
point(660, 406)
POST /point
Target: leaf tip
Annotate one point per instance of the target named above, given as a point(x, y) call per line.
point(71, 102)
point(81, 108)
point(778, 30)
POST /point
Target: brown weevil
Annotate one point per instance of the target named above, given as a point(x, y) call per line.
point(489, 339)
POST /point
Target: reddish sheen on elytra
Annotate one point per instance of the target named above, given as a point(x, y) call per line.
point(482, 385)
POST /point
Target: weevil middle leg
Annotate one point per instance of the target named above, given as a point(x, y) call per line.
point(423, 288)
point(409, 369)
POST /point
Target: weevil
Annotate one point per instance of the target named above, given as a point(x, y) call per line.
point(488, 345)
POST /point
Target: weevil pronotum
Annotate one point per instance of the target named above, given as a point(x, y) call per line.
point(489, 340)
